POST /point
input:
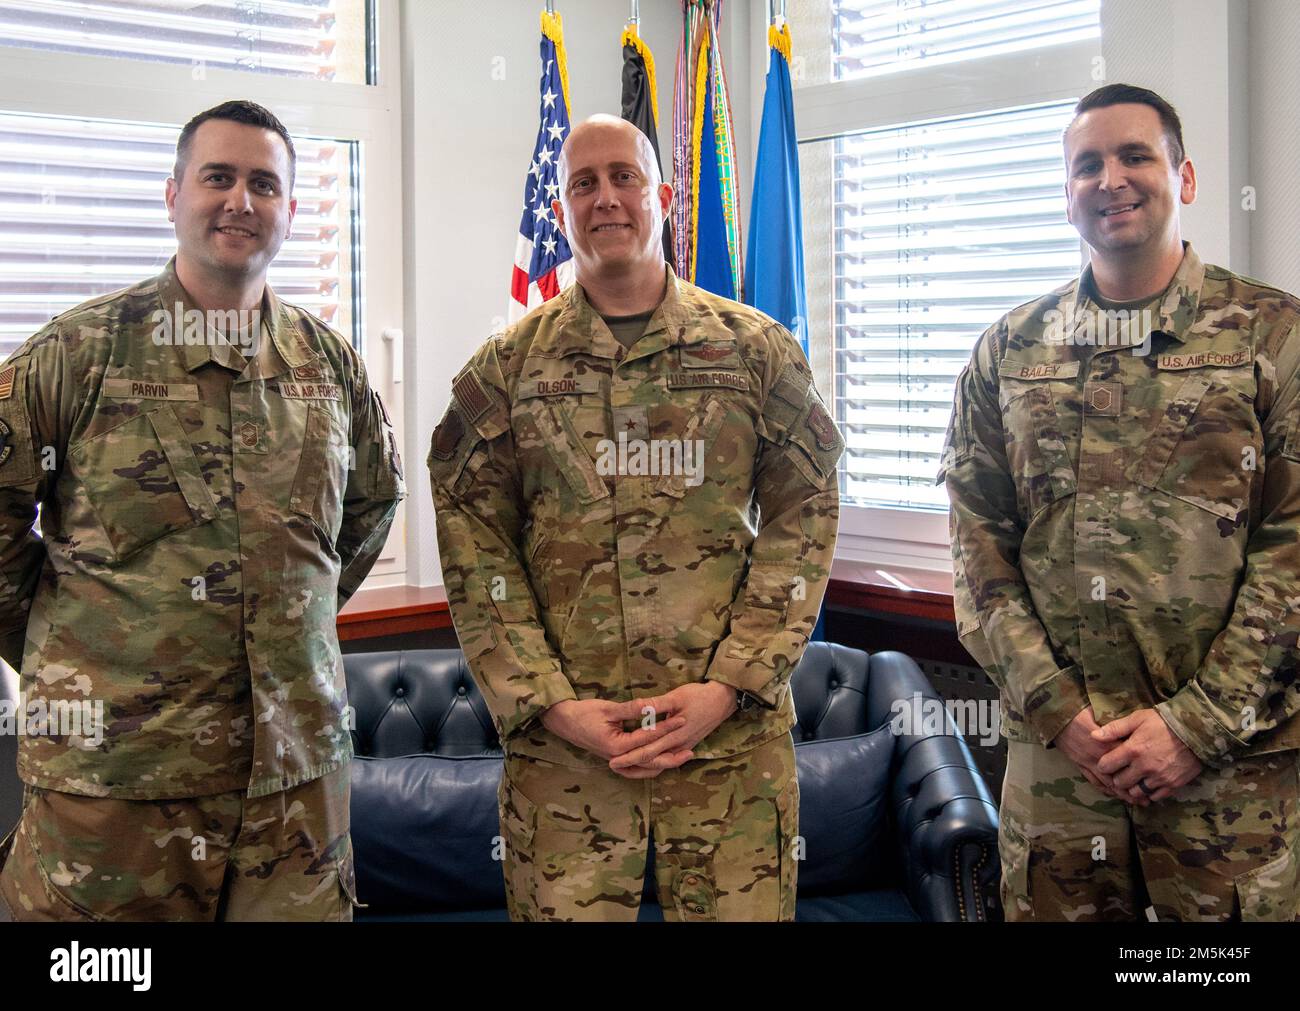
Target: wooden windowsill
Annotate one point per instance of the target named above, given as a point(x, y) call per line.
point(917, 593)
point(392, 610)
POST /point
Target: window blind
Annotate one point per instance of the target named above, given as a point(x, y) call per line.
point(939, 228)
point(874, 37)
point(324, 39)
point(82, 213)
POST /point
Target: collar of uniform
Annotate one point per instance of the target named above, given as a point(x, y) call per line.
point(580, 328)
point(171, 294)
point(286, 350)
point(1177, 309)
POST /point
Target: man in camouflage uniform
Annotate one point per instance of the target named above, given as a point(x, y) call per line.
point(1124, 469)
point(637, 503)
point(208, 502)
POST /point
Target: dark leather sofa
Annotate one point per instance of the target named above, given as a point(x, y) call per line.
point(897, 825)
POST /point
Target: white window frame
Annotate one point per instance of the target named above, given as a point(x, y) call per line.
point(913, 538)
point(43, 83)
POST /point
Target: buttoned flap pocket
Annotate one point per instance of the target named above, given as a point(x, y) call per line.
point(550, 421)
point(1208, 444)
point(1036, 451)
point(143, 481)
point(322, 474)
point(681, 465)
point(819, 440)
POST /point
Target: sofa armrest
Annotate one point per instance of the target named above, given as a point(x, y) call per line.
point(945, 820)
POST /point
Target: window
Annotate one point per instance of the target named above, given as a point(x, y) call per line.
point(330, 40)
point(933, 188)
point(874, 37)
point(937, 229)
point(81, 213)
point(88, 125)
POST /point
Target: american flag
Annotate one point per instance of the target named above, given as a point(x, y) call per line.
point(543, 260)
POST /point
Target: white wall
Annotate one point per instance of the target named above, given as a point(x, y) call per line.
point(1274, 34)
point(1196, 54)
point(468, 137)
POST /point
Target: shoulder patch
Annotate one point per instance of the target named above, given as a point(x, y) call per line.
point(822, 427)
point(7, 381)
point(447, 436)
point(471, 395)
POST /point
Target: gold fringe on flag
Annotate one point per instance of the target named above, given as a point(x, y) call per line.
point(553, 29)
point(779, 39)
point(631, 38)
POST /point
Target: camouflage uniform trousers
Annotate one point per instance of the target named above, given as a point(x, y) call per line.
point(724, 831)
point(1224, 847)
point(286, 856)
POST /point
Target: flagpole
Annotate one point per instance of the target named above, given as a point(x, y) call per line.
point(635, 19)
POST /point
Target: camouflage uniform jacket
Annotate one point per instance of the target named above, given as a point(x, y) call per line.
point(201, 528)
point(568, 578)
point(1126, 526)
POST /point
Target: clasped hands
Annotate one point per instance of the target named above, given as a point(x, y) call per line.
point(1125, 753)
point(682, 718)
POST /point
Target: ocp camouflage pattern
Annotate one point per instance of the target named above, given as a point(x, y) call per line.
point(565, 582)
point(1126, 530)
point(201, 528)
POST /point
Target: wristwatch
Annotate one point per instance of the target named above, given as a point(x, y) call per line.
point(746, 702)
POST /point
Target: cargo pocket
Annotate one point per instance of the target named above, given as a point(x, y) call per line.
point(1013, 852)
point(347, 873)
point(1270, 893)
point(518, 827)
point(322, 473)
point(143, 481)
point(787, 821)
point(694, 894)
point(30, 872)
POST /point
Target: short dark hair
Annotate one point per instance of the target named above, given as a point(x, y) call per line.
point(1126, 94)
point(238, 111)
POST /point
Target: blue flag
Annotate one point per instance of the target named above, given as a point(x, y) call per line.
point(774, 279)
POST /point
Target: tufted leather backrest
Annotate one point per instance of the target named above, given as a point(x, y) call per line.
point(417, 702)
point(412, 702)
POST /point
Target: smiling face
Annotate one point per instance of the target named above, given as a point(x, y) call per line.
point(232, 206)
point(1122, 188)
point(612, 203)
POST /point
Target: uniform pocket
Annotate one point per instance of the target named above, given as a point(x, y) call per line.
point(518, 827)
point(768, 588)
point(143, 481)
point(697, 438)
point(1036, 451)
point(1013, 852)
point(318, 486)
point(1206, 446)
point(347, 873)
point(31, 871)
point(787, 820)
point(567, 450)
point(1271, 893)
